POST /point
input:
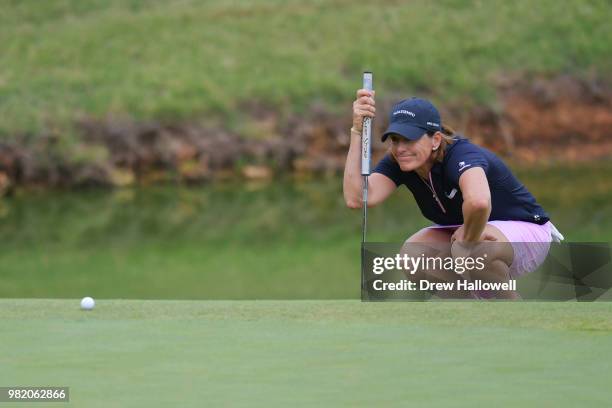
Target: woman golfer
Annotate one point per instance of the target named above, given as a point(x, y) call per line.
point(465, 190)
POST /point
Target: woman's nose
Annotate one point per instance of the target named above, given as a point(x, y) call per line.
point(402, 147)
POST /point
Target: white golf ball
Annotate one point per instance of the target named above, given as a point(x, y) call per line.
point(87, 303)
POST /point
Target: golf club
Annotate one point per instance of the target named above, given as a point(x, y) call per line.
point(366, 152)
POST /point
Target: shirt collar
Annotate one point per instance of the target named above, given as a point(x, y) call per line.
point(436, 168)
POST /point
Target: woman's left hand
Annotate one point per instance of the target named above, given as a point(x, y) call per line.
point(459, 232)
point(461, 248)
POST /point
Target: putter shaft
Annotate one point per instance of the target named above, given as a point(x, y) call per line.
point(365, 208)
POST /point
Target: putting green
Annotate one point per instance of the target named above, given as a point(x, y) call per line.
point(133, 353)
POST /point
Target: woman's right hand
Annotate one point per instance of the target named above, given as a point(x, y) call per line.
point(363, 107)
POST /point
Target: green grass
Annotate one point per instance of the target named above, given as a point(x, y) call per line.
point(168, 60)
point(310, 353)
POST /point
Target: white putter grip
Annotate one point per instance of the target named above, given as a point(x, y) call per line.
point(366, 133)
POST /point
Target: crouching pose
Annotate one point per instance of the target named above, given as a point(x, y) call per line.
point(475, 202)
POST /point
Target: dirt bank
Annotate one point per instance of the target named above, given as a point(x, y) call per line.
point(560, 119)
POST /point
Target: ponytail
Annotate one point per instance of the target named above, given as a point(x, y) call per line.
point(448, 131)
point(448, 138)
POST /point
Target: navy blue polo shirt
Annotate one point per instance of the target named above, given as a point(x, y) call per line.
point(510, 200)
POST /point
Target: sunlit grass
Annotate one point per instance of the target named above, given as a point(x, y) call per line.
point(309, 353)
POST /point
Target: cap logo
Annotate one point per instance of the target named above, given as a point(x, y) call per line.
point(433, 124)
point(405, 112)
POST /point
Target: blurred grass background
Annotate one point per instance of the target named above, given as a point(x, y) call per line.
point(182, 59)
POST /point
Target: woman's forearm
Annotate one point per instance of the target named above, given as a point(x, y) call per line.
point(475, 216)
point(353, 182)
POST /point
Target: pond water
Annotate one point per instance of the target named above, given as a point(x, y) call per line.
point(283, 239)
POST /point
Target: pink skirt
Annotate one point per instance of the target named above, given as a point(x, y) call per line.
point(531, 242)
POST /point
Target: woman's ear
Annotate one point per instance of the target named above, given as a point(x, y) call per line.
point(436, 139)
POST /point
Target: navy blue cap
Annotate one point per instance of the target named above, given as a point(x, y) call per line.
point(413, 117)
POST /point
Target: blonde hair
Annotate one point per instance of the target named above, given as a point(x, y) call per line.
point(448, 138)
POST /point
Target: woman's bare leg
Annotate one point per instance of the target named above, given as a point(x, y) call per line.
point(434, 242)
point(499, 257)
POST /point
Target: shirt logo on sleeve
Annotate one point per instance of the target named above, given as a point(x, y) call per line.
point(451, 194)
point(463, 166)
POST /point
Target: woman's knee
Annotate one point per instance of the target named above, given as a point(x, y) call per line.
point(487, 250)
point(427, 243)
point(431, 235)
